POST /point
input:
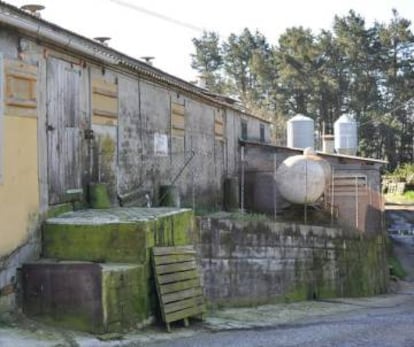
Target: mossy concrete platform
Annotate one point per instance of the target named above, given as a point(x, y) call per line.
point(115, 235)
point(97, 298)
point(88, 286)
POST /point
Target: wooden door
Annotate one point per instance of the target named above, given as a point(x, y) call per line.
point(67, 119)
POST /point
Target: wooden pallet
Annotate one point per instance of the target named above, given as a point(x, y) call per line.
point(178, 284)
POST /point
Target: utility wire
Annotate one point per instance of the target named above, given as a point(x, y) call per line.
point(157, 15)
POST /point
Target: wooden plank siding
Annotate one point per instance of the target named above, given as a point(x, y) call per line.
point(219, 130)
point(178, 283)
point(350, 185)
point(67, 118)
point(104, 102)
point(21, 88)
point(177, 120)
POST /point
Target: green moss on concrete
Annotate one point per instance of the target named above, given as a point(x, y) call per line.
point(328, 262)
point(118, 241)
point(183, 224)
point(396, 268)
point(125, 297)
point(99, 243)
point(299, 292)
point(75, 321)
point(57, 210)
point(172, 230)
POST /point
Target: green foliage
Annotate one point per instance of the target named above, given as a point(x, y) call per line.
point(409, 195)
point(405, 171)
point(396, 268)
point(406, 199)
point(364, 71)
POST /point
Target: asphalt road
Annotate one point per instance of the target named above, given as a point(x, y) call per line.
point(391, 325)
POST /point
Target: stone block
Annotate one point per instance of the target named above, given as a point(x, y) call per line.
point(98, 298)
point(115, 235)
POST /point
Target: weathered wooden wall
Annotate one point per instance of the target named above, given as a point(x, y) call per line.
point(79, 121)
point(67, 104)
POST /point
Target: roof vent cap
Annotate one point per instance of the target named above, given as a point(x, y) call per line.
point(148, 59)
point(33, 9)
point(102, 40)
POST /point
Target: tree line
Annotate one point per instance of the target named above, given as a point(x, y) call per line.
point(365, 71)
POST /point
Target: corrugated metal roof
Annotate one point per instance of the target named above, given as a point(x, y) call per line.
point(123, 60)
point(300, 150)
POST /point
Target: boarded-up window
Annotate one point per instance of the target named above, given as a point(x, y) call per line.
point(350, 185)
point(177, 119)
point(219, 125)
point(21, 88)
point(104, 102)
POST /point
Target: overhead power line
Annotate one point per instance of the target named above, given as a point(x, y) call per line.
point(158, 15)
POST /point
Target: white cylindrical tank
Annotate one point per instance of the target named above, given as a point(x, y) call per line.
point(346, 138)
point(300, 132)
point(302, 178)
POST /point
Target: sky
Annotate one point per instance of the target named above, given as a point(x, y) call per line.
point(164, 29)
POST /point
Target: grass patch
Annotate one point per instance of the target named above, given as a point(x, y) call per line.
point(396, 268)
point(406, 198)
point(409, 195)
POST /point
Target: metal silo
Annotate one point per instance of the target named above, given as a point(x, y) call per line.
point(346, 138)
point(300, 131)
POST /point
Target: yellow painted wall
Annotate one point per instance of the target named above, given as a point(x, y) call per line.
point(19, 189)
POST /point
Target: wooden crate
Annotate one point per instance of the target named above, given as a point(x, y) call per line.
point(178, 284)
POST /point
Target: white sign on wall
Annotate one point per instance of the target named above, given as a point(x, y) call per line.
point(160, 144)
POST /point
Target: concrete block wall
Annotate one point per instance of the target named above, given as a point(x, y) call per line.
point(249, 262)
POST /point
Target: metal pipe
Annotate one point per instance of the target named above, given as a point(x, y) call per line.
point(242, 181)
point(332, 195)
point(40, 32)
point(274, 185)
point(306, 193)
point(356, 203)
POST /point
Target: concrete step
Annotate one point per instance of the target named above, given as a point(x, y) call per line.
point(122, 235)
point(92, 297)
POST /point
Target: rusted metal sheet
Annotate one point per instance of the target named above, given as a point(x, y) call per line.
point(67, 120)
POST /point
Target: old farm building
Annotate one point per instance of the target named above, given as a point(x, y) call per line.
point(75, 112)
point(76, 116)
